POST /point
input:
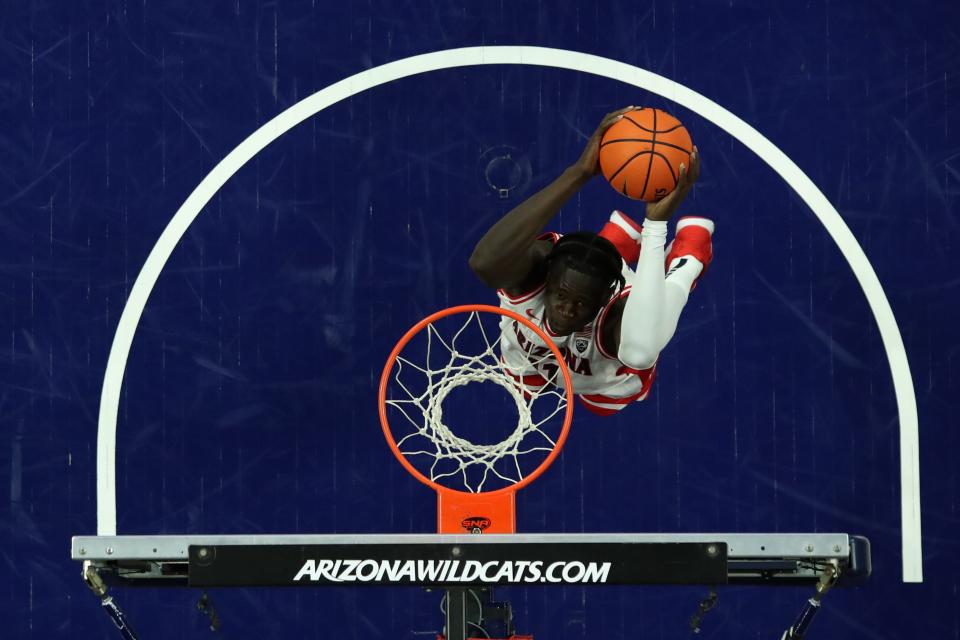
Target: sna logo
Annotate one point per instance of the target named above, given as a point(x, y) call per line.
point(475, 524)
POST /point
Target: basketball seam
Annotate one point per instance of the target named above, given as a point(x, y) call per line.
point(661, 142)
point(676, 178)
point(653, 143)
point(628, 161)
point(643, 128)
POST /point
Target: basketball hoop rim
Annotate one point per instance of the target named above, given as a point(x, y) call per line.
point(470, 308)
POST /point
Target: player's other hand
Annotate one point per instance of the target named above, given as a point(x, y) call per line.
point(664, 208)
point(589, 162)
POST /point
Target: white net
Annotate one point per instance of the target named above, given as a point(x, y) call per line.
point(434, 369)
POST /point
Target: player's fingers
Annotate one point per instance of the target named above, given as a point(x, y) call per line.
point(686, 179)
point(694, 165)
point(613, 117)
point(618, 112)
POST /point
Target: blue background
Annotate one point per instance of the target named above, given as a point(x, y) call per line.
point(248, 401)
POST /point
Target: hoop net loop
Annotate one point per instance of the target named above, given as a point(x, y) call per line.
point(432, 363)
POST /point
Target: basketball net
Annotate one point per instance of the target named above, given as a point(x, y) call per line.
point(475, 482)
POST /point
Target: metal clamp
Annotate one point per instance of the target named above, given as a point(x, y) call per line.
point(831, 574)
point(99, 588)
point(829, 577)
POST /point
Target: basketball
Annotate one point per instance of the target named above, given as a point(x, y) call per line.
point(640, 154)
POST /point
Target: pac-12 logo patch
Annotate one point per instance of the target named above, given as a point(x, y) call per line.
point(475, 523)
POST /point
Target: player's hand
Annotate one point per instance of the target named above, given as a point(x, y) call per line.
point(664, 208)
point(589, 162)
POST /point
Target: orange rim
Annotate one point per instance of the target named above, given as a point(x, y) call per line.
point(469, 308)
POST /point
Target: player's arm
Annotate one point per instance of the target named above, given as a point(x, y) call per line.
point(640, 326)
point(508, 256)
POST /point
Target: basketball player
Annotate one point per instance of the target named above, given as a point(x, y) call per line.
point(609, 321)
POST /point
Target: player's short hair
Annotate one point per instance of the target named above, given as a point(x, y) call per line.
point(590, 254)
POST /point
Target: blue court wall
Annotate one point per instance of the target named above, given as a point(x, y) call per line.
point(248, 403)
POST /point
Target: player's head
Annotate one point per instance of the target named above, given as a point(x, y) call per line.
point(583, 271)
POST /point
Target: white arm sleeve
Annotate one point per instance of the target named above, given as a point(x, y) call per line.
point(653, 307)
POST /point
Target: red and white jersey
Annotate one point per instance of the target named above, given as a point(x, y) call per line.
point(603, 383)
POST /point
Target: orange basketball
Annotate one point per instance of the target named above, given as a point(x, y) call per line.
point(640, 155)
